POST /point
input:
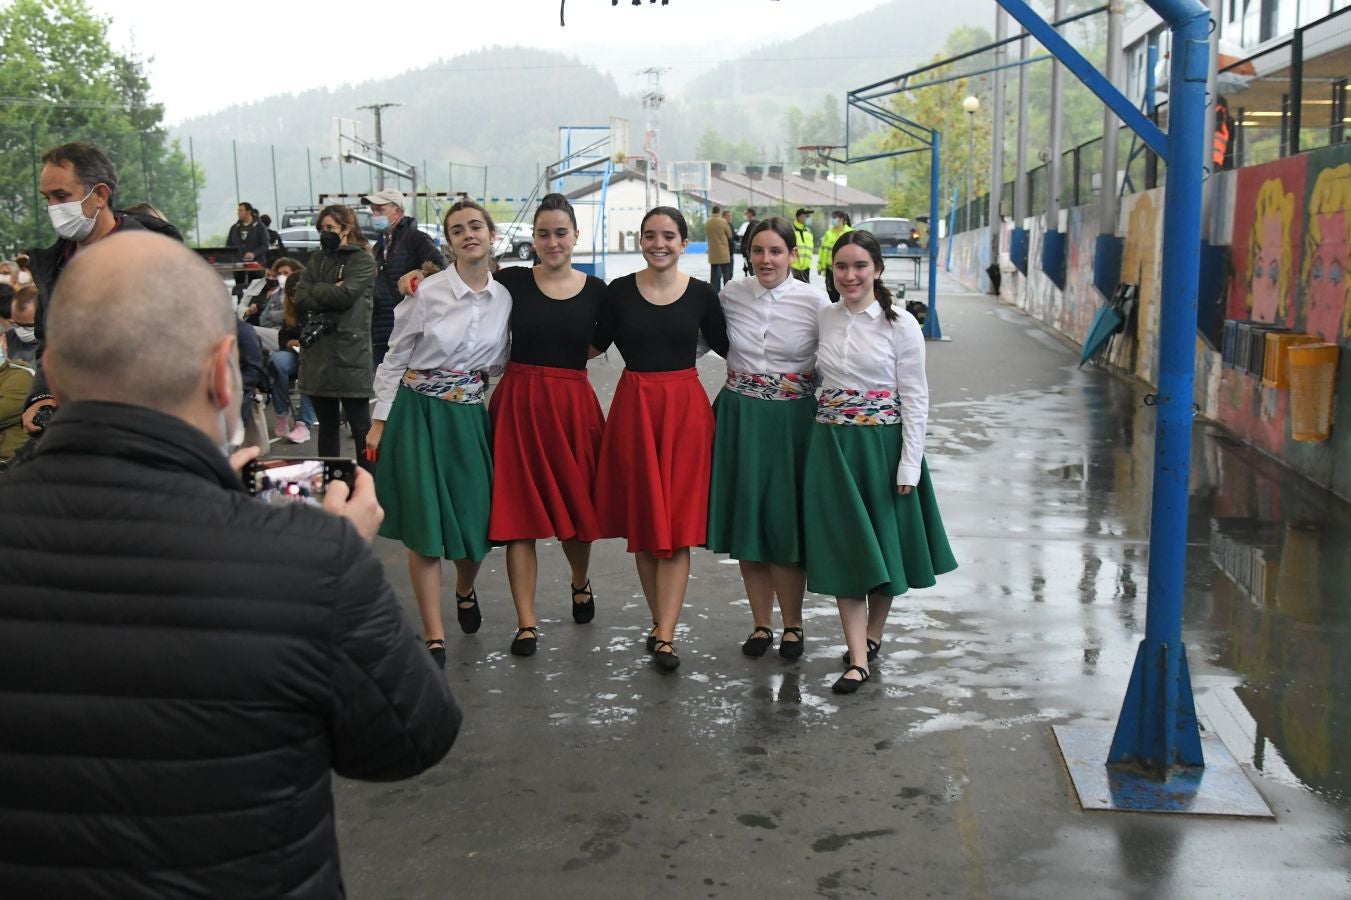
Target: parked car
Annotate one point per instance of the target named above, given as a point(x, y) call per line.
point(898, 237)
point(300, 241)
point(295, 216)
point(514, 239)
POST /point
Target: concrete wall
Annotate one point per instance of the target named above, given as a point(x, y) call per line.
point(1293, 215)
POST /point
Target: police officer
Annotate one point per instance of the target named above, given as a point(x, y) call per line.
point(802, 259)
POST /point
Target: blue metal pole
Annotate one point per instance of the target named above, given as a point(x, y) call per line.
point(932, 329)
point(1157, 729)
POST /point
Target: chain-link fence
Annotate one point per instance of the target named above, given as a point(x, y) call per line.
point(198, 182)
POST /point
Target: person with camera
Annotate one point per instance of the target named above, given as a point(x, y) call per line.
point(185, 666)
point(334, 297)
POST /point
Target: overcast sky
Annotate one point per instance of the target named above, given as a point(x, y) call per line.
point(205, 57)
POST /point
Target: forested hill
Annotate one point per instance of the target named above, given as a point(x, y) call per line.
point(501, 108)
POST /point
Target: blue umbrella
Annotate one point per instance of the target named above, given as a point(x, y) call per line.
point(1110, 320)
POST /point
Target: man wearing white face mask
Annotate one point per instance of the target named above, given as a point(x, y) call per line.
point(79, 182)
point(21, 343)
point(203, 661)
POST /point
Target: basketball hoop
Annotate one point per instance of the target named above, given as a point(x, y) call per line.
point(818, 155)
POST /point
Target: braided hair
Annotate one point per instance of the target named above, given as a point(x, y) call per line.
point(865, 240)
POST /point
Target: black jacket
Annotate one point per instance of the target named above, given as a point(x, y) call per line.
point(252, 238)
point(400, 250)
point(174, 691)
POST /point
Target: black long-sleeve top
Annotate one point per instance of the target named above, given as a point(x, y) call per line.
point(549, 332)
point(656, 338)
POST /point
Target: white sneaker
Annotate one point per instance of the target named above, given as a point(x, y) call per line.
point(283, 425)
point(300, 434)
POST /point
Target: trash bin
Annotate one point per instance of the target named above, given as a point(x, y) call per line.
point(1313, 379)
point(1276, 362)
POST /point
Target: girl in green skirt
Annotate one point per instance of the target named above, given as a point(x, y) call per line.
point(873, 528)
point(764, 417)
point(431, 427)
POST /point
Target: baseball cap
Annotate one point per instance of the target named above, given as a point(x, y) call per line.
point(386, 196)
point(803, 212)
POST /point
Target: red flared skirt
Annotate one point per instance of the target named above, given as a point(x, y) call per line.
point(652, 487)
point(546, 427)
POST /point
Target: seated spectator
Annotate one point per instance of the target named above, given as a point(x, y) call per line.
point(25, 273)
point(16, 379)
point(285, 363)
point(262, 300)
point(185, 667)
point(255, 380)
point(21, 340)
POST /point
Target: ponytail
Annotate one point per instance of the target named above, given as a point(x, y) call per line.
point(884, 299)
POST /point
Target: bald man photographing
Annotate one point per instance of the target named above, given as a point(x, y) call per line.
point(184, 666)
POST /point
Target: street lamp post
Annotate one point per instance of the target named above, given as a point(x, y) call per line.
point(970, 104)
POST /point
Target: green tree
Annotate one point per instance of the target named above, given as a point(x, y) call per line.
point(60, 81)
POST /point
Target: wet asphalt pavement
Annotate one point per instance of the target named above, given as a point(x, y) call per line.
point(585, 772)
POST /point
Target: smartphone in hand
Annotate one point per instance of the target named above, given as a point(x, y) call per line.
point(279, 482)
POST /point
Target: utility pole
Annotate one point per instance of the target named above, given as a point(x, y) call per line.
point(377, 109)
point(1001, 31)
point(652, 101)
point(1111, 126)
point(1053, 172)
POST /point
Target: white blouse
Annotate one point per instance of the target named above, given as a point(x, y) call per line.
point(445, 325)
point(772, 330)
point(864, 352)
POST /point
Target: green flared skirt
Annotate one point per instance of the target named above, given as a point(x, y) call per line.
point(435, 476)
point(755, 494)
point(862, 536)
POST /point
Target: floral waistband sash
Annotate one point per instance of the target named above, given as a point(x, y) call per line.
point(840, 406)
point(447, 384)
point(787, 386)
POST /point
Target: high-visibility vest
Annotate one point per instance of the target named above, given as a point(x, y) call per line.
point(802, 258)
point(828, 245)
point(1221, 141)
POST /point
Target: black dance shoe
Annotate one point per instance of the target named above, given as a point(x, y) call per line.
point(665, 655)
point(874, 647)
point(470, 617)
point(758, 644)
point(583, 612)
point(847, 685)
point(525, 646)
point(791, 649)
point(437, 649)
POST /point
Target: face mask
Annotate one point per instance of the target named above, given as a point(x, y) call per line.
point(4, 279)
point(69, 220)
point(231, 424)
point(329, 241)
point(380, 223)
point(807, 221)
point(25, 333)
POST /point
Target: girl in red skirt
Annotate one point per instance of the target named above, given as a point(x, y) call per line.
point(546, 420)
point(652, 486)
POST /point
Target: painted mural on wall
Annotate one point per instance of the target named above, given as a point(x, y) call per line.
point(1289, 262)
point(1327, 310)
point(1140, 263)
point(1268, 213)
point(1288, 226)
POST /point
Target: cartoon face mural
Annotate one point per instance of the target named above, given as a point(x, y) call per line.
point(1271, 253)
point(1326, 255)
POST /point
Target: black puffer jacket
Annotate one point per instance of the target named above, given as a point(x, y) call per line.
point(181, 669)
point(397, 252)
